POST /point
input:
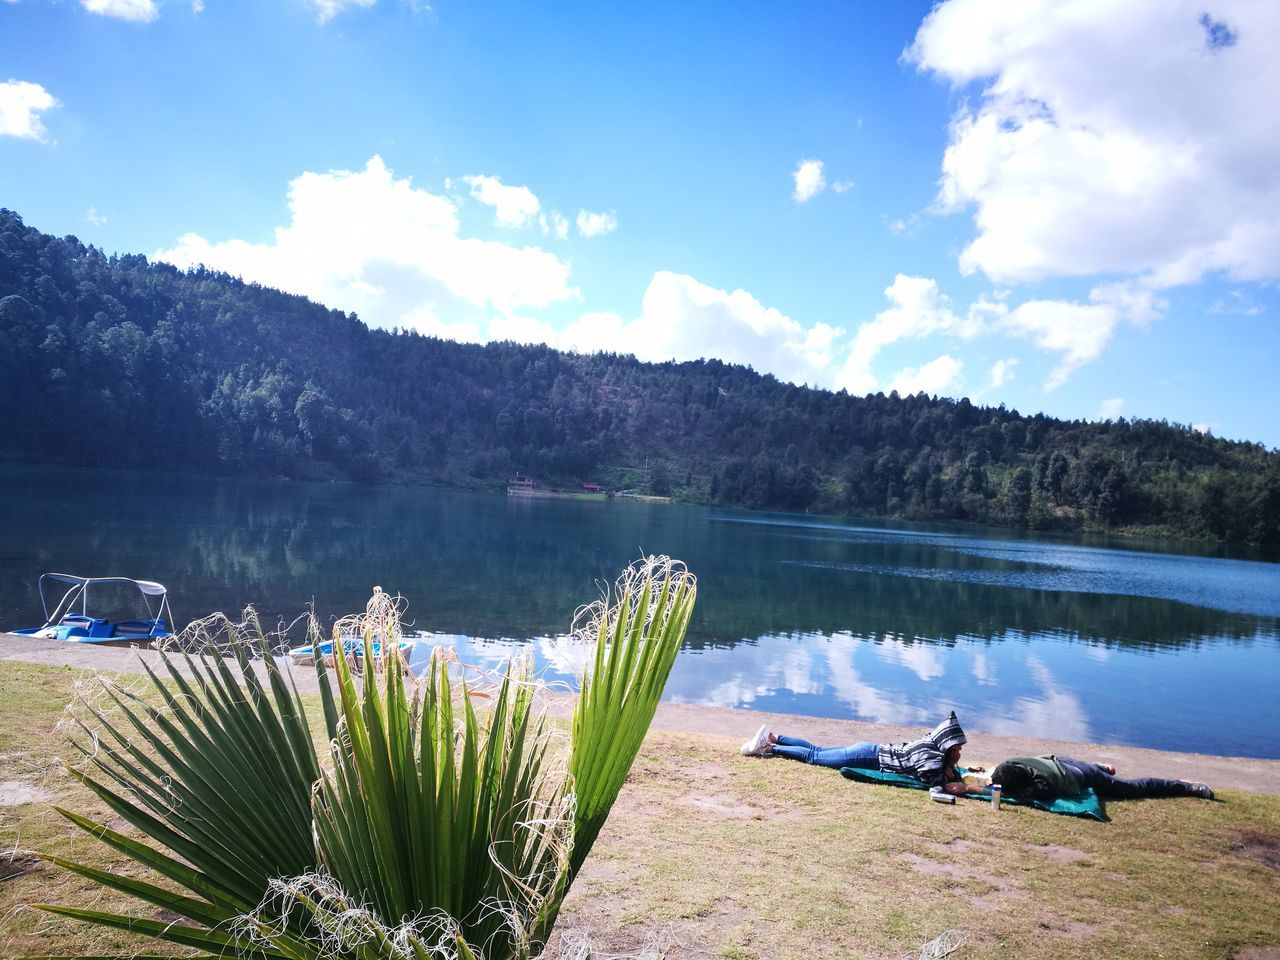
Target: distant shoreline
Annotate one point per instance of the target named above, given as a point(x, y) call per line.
point(553, 495)
point(726, 727)
point(1153, 538)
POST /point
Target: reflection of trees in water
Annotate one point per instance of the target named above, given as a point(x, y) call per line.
point(909, 608)
point(468, 563)
point(488, 566)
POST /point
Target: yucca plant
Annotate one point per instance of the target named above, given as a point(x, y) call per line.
point(433, 830)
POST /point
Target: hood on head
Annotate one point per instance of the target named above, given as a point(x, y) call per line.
point(948, 733)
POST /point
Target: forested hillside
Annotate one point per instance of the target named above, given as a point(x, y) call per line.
point(117, 362)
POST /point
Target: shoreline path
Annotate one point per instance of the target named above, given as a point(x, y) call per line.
point(734, 726)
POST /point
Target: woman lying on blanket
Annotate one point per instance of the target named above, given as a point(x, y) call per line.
point(931, 759)
point(1045, 778)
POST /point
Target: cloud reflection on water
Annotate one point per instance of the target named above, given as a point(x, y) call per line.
point(1054, 713)
point(923, 660)
point(1045, 688)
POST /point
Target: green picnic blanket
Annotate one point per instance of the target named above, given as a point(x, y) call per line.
point(1084, 804)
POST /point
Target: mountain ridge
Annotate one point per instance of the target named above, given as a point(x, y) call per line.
point(114, 361)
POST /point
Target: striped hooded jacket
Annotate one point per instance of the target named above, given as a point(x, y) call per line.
point(923, 758)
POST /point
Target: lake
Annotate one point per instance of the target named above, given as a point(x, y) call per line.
point(1089, 639)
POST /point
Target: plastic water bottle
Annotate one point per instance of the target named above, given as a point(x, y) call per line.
point(995, 796)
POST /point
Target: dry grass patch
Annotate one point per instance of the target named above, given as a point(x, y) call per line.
point(742, 857)
point(32, 700)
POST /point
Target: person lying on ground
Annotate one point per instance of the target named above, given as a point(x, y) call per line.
point(1048, 777)
point(932, 759)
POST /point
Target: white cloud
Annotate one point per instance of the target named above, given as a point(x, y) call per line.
point(366, 242)
point(370, 243)
point(1001, 373)
point(1111, 408)
point(809, 180)
point(1125, 138)
point(512, 206)
point(521, 329)
point(917, 310)
point(557, 225)
point(427, 322)
point(933, 378)
point(139, 11)
point(683, 319)
point(600, 331)
point(843, 186)
point(596, 224)
point(1078, 331)
point(94, 217)
point(326, 10)
point(903, 225)
point(1237, 302)
point(21, 103)
point(1204, 428)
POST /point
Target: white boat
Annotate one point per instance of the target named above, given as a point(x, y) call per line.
point(353, 647)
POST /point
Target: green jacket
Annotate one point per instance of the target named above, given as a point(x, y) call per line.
point(1049, 778)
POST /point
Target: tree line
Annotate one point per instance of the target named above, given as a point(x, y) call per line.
point(113, 361)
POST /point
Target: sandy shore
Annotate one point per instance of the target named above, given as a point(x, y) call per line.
point(732, 726)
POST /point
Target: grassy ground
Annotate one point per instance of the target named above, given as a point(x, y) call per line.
point(716, 855)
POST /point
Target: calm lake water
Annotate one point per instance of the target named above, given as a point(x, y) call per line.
point(1096, 640)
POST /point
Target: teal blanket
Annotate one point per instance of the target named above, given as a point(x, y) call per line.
point(1084, 804)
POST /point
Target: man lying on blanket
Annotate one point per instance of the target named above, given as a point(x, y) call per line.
point(1047, 777)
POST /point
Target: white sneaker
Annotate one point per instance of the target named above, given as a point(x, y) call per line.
point(758, 745)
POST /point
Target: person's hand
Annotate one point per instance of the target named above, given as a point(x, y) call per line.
point(959, 788)
point(976, 769)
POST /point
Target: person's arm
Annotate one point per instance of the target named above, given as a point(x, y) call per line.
point(960, 788)
point(1041, 789)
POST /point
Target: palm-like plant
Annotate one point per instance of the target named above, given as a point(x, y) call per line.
point(433, 831)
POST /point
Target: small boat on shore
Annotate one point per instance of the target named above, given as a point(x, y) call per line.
point(352, 647)
point(74, 620)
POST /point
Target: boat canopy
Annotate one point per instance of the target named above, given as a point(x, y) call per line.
point(154, 595)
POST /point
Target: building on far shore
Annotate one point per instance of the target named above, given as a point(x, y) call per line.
point(522, 486)
point(519, 486)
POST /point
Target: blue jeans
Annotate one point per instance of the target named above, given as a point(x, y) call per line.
point(1107, 785)
point(864, 756)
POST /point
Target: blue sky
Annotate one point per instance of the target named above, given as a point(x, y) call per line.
point(1063, 207)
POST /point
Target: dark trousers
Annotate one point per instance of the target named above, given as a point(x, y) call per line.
point(1106, 785)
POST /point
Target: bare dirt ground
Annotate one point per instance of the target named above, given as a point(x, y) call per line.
point(1257, 776)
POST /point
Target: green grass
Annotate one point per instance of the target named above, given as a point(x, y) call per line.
point(732, 857)
point(32, 699)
